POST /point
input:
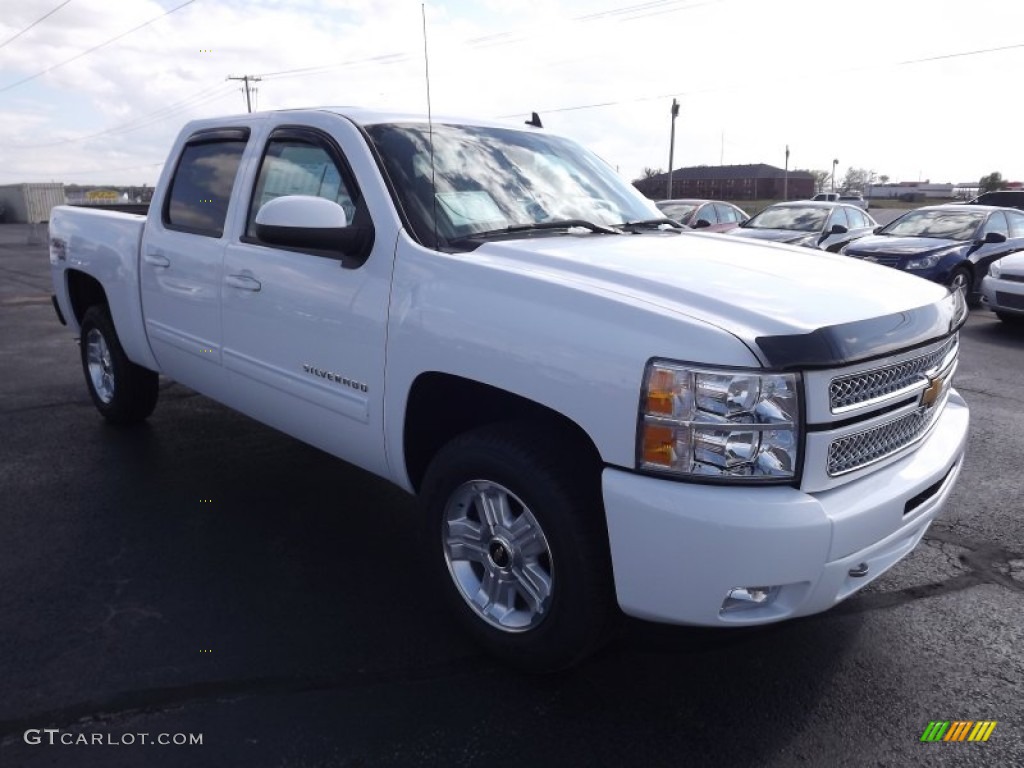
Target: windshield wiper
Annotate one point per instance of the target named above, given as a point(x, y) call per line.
point(650, 224)
point(538, 226)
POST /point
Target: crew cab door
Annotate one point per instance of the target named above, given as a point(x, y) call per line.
point(182, 258)
point(304, 330)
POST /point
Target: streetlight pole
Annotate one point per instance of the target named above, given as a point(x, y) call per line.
point(785, 178)
point(834, 164)
point(672, 145)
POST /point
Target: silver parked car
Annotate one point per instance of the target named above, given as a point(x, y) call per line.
point(1002, 290)
point(821, 225)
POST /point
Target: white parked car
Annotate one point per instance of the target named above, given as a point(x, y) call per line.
point(1002, 290)
point(597, 409)
point(855, 199)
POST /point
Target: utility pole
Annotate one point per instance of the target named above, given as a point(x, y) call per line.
point(672, 145)
point(834, 164)
point(785, 177)
point(247, 79)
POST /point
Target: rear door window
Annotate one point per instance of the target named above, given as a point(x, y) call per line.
point(200, 191)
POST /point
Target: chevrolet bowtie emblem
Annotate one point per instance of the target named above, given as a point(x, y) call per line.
point(931, 394)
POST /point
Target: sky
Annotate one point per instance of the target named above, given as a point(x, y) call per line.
point(95, 92)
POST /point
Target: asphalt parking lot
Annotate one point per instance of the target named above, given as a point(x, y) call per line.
point(206, 575)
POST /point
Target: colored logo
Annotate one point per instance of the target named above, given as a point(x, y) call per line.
point(958, 730)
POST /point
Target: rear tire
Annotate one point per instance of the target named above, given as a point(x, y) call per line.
point(518, 544)
point(123, 392)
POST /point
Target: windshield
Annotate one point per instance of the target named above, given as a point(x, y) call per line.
point(947, 225)
point(487, 179)
point(799, 218)
point(677, 211)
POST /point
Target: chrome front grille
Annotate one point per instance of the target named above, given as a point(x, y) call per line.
point(862, 448)
point(846, 392)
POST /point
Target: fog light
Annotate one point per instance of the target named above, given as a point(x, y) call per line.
point(743, 598)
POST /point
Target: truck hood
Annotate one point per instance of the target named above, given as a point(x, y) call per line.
point(751, 289)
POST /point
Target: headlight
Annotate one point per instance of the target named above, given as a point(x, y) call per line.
point(926, 263)
point(734, 424)
point(994, 270)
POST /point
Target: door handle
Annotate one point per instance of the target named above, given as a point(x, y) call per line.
point(156, 259)
point(245, 282)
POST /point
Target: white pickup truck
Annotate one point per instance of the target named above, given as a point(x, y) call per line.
point(595, 408)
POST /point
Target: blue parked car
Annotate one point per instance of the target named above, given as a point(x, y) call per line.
point(949, 244)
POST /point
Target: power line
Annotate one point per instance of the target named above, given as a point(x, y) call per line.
point(962, 53)
point(41, 18)
point(630, 13)
point(923, 60)
point(142, 121)
point(82, 173)
point(95, 47)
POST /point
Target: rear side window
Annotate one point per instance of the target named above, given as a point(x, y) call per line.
point(201, 188)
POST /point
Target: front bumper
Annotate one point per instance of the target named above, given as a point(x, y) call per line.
point(679, 548)
point(1001, 295)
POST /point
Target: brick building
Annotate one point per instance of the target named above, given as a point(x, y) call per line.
point(729, 182)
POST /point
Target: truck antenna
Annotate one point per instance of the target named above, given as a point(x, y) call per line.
point(430, 126)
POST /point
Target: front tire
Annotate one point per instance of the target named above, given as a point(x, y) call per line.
point(962, 279)
point(123, 392)
point(515, 528)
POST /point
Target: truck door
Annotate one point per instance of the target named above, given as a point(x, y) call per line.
point(182, 259)
point(304, 331)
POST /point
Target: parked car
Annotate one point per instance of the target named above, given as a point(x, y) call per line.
point(826, 197)
point(1004, 198)
point(821, 225)
point(855, 199)
point(949, 244)
point(1002, 290)
point(597, 410)
point(711, 215)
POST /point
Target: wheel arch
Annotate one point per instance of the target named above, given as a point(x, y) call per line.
point(441, 406)
point(84, 291)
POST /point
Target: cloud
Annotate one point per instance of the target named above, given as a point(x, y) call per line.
point(751, 77)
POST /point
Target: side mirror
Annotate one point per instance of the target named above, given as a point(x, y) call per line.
point(838, 229)
point(701, 224)
point(304, 221)
point(994, 237)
